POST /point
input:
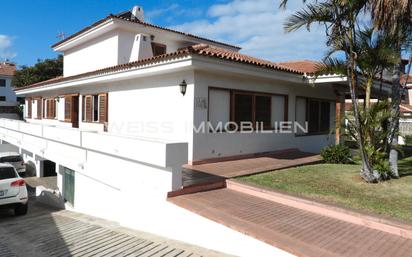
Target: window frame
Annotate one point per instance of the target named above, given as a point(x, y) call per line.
point(29, 108)
point(3, 83)
point(50, 104)
point(320, 101)
point(84, 111)
point(233, 92)
point(154, 45)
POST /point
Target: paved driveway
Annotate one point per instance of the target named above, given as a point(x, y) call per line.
point(46, 232)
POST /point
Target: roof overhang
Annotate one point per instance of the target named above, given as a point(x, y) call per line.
point(111, 23)
point(172, 66)
point(99, 29)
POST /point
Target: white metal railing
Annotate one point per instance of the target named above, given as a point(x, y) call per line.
point(405, 127)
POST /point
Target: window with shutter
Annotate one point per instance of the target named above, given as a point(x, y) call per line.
point(39, 108)
point(29, 108)
point(103, 108)
point(88, 105)
point(68, 108)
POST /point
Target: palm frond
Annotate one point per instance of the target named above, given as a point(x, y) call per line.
point(312, 13)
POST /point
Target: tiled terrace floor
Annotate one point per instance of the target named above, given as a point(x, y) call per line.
point(297, 231)
point(275, 161)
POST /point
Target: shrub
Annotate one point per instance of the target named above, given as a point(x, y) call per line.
point(408, 140)
point(336, 154)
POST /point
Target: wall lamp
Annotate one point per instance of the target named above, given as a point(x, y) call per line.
point(183, 87)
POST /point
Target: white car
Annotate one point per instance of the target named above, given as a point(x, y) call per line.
point(14, 159)
point(13, 191)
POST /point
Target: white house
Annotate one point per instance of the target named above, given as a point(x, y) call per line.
point(8, 99)
point(131, 108)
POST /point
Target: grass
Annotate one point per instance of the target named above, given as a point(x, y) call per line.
point(341, 185)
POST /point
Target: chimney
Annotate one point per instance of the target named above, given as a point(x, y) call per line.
point(137, 13)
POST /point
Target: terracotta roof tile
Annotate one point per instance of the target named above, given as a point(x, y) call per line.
point(200, 50)
point(7, 69)
point(127, 17)
point(304, 66)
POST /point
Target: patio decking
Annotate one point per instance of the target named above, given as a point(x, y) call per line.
point(256, 164)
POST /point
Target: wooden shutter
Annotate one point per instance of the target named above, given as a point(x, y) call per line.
point(68, 101)
point(88, 108)
point(53, 108)
point(103, 108)
point(29, 107)
point(39, 108)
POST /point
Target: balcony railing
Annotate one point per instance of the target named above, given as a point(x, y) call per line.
point(64, 143)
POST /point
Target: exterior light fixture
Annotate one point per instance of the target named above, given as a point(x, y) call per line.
point(183, 87)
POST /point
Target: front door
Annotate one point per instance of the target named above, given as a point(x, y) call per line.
point(68, 185)
point(75, 112)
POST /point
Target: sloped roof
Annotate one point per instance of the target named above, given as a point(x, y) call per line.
point(199, 50)
point(7, 69)
point(305, 66)
point(127, 16)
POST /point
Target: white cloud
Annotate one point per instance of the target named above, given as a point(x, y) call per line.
point(6, 44)
point(171, 12)
point(257, 26)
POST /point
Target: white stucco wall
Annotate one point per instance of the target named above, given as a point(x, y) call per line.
point(212, 145)
point(152, 107)
point(98, 53)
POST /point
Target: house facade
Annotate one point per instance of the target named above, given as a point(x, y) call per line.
point(137, 101)
point(8, 99)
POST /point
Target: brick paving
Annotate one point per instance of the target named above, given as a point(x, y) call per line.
point(46, 233)
point(262, 163)
point(294, 230)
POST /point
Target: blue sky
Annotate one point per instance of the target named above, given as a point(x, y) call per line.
point(28, 28)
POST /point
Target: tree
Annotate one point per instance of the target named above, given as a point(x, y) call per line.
point(41, 71)
point(395, 18)
point(340, 19)
point(392, 17)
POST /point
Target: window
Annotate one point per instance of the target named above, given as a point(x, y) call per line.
point(219, 107)
point(29, 108)
point(7, 173)
point(2, 82)
point(262, 110)
point(242, 108)
point(158, 49)
point(11, 158)
point(68, 108)
point(87, 108)
point(50, 108)
point(39, 108)
point(95, 108)
point(315, 112)
point(2, 98)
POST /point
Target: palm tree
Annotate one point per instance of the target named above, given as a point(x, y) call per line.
point(341, 20)
point(395, 18)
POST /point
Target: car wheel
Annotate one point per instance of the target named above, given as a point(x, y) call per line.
point(21, 209)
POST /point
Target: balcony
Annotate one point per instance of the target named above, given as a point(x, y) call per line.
point(69, 146)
